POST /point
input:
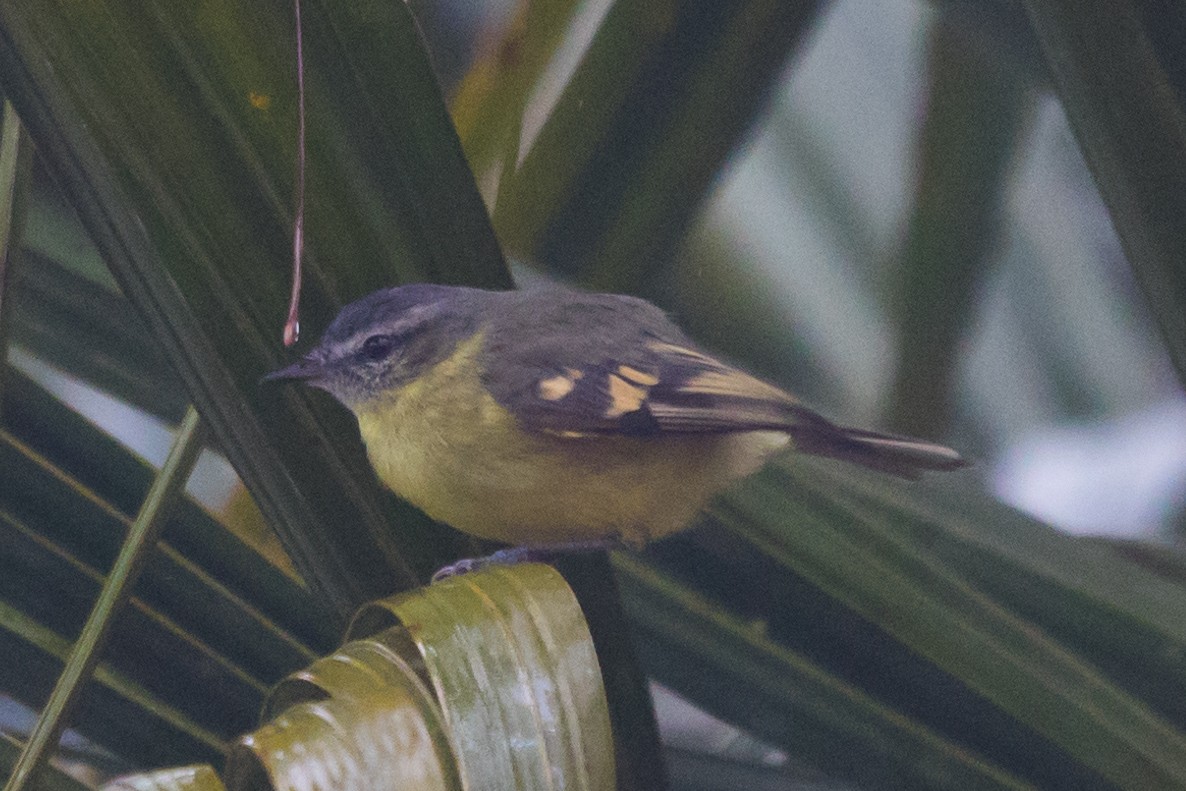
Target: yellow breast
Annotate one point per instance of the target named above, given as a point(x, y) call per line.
point(445, 445)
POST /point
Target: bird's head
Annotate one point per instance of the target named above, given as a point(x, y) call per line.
point(388, 338)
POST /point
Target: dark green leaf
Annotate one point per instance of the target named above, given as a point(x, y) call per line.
point(881, 560)
point(45, 499)
point(170, 127)
point(115, 711)
point(52, 779)
point(1117, 67)
point(662, 97)
point(101, 465)
point(739, 672)
point(976, 112)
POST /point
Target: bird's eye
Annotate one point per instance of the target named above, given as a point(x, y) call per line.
point(377, 347)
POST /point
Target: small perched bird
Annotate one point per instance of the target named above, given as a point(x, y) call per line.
point(554, 417)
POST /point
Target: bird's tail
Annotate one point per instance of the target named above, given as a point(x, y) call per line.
point(901, 456)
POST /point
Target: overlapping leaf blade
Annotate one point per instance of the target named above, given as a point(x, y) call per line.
point(1077, 679)
point(164, 123)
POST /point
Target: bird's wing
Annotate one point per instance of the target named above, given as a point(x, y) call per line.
point(655, 386)
point(598, 366)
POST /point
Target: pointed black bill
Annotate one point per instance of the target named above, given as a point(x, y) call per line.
point(306, 368)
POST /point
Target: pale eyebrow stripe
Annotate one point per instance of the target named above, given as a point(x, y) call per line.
point(410, 318)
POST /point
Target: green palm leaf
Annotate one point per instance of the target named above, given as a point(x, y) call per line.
point(919, 636)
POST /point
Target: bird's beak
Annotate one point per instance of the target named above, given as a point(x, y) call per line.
point(306, 368)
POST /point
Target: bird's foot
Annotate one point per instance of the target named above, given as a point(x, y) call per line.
point(528, 553)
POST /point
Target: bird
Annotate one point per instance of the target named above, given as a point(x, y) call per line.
point(558, 419)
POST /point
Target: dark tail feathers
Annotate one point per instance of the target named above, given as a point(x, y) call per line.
point(901, 456)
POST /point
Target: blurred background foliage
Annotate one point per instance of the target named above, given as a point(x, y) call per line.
point(881, 205)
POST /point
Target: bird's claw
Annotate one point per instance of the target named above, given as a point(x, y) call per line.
point(464, 566)
point(525, 554)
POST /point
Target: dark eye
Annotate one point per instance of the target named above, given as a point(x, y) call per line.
point(377, 347)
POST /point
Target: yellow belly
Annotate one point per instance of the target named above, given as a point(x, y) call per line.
point(445, 445)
